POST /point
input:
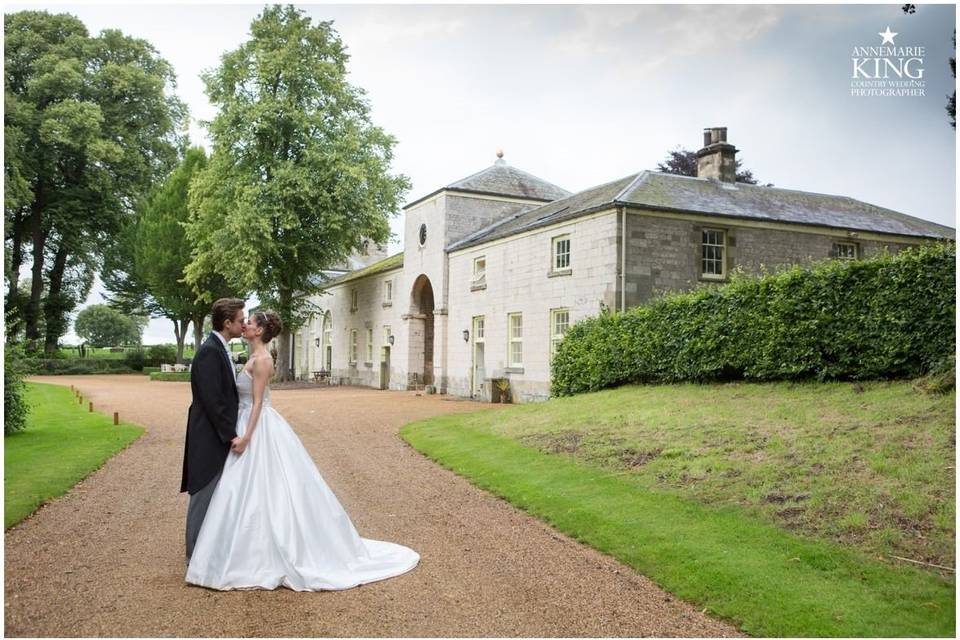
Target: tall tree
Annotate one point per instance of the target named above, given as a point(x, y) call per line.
point(683, 162)
point(299, 175)
point(103, 326)
point(145, 270)
point(92, 123)
point(952, 98)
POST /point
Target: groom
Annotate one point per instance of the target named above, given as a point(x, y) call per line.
point(212, 419)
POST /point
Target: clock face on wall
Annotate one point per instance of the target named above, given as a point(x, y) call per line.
point(423, 234)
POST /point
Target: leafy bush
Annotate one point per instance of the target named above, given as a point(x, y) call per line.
point(175, 376)
point(162, 354)
point(886, 317)
point(135, 360)
point(15, 406)
point(149, 370)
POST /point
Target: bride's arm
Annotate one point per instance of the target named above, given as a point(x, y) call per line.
point(262, 370)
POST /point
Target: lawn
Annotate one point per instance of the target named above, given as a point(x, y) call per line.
point(776, 506)
point(61, 445)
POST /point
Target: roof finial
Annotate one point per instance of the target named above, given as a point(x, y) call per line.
point(500, 159)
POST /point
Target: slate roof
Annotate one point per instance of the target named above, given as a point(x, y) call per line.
point(393, 262)
point(669, 192)
point(501, 179)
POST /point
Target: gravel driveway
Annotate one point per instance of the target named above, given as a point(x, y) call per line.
point(107, 558)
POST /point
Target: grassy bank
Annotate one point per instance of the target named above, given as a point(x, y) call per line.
point(774, 505)
point(61, 445)
point(171, 376)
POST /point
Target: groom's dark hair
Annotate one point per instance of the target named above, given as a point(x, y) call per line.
point(225, 309)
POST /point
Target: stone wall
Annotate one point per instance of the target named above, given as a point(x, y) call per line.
point(519, 280)
point(372, 312)
point(663, 254)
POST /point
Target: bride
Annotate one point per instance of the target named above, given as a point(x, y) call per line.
point(272, 520)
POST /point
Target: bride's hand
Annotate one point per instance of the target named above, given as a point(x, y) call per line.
point(240, 444)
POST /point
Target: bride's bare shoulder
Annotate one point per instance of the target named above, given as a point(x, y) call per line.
point(263, 365)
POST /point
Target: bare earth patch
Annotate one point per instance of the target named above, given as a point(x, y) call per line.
point(107, 558)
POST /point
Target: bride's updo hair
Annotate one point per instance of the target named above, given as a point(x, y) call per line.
point(270, 322)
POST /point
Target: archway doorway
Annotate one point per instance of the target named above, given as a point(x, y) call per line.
point(420, 323)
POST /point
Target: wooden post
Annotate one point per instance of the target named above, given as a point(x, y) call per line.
point(80, 400)
point(116, 418)
point(91, 407)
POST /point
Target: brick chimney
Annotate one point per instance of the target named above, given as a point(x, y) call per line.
point(716, 160)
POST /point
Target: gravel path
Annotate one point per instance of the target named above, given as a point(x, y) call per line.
point(107, 558)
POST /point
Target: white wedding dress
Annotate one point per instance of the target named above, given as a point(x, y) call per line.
point(273, 521)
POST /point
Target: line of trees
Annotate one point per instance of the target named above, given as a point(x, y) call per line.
point(90, 123)
point(99, 175)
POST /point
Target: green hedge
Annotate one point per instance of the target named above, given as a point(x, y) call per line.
point(174, 376)
point(16, 409)
point(148, 370)
point(73, 366)
point(889, 316)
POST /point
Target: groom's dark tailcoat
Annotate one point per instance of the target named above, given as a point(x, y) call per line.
point(212, 419)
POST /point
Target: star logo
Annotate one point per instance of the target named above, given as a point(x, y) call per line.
point(887, 36)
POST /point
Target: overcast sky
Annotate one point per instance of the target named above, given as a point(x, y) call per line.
point(584, 94)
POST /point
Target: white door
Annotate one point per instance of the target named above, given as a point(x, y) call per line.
point(478, 373)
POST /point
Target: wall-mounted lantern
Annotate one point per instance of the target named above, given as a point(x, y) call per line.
point(466, 335)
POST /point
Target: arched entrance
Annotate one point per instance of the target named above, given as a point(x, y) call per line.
point(420, 324)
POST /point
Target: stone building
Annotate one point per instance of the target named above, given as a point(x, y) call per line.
point(497, 266)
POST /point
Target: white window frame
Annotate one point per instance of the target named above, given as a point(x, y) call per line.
point(704, 250)
point(479, 329)
point(388, 291)
point(369, 346)
point(354, 299)
point(479, 274)
point(514, 341)
point(555, 254)
point(842, 243)
point(353, 346)
point(555, 337)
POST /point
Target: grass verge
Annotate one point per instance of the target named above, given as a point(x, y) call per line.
point(173, 376)
point(61, 445)
point(768, 581)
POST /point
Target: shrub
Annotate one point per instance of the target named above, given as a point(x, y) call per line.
point(135, 360)
point(15, 405)
point(886, 317)
point(161, 354)
point(149, 370)
point(73, 366)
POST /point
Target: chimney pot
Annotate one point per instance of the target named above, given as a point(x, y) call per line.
point(717, 159)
